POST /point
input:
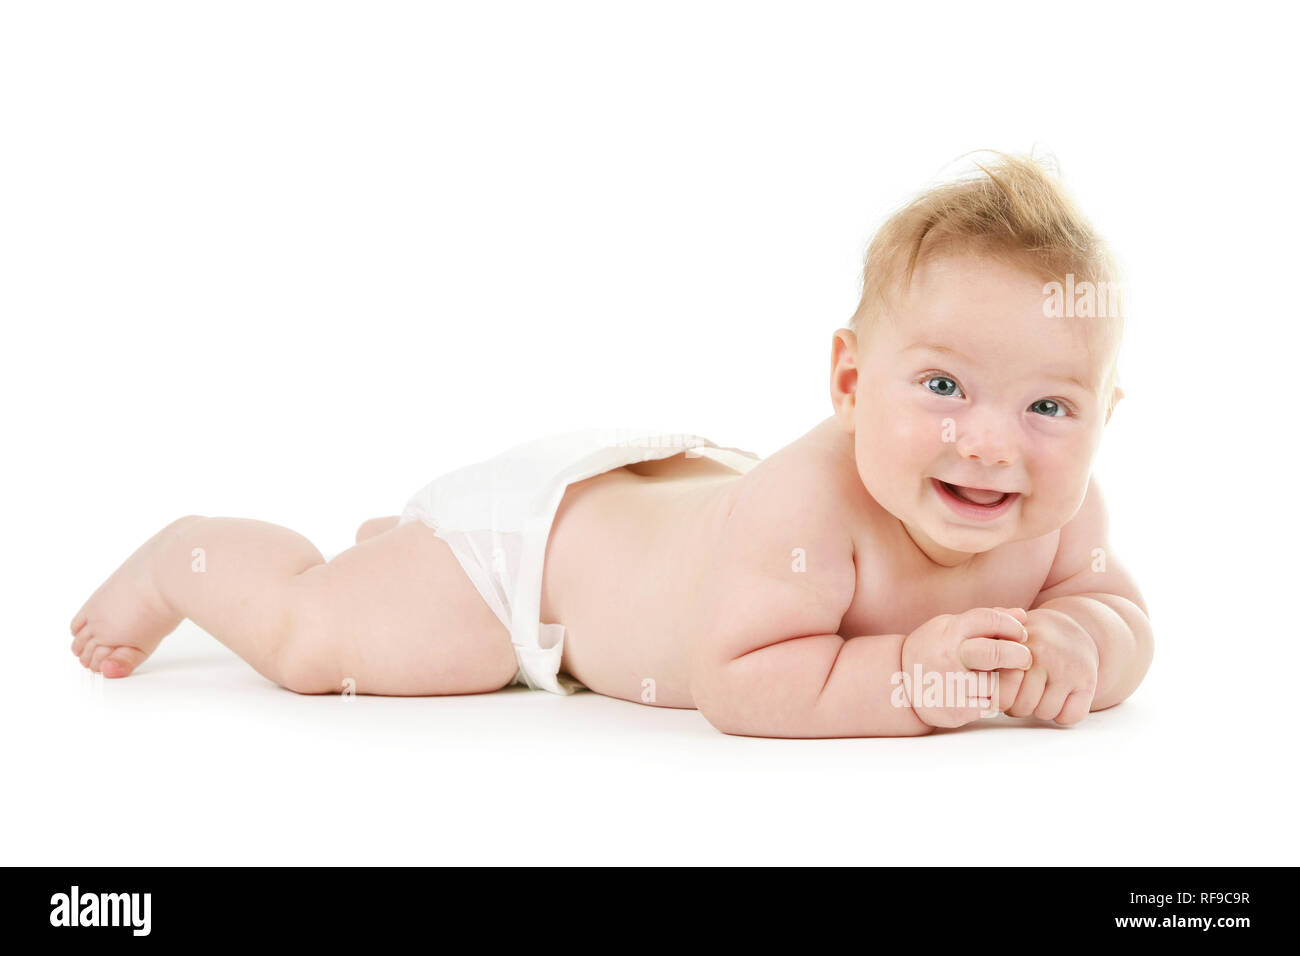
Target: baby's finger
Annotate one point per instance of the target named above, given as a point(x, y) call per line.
point(989, 654)
point(1053, 699)
point(1008, 686)
point(1017, 612)
point(1076, 708)
point(1030, 693)
point(990, 622)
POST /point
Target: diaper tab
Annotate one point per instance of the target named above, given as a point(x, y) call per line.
point(539, 662)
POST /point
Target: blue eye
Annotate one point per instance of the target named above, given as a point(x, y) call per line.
point(1049, 408)
point(943, 385)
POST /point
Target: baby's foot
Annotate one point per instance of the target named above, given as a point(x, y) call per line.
point(126, 619)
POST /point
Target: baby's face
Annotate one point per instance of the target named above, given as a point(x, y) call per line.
point(977, 416)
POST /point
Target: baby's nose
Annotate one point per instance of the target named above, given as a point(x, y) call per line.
point(988, 445)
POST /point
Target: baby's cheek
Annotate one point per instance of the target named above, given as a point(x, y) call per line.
point(1056, 500)
point(908, 445)
point(872, 468)
point(1044, 516)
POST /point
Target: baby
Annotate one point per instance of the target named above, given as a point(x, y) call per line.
point(933, 552)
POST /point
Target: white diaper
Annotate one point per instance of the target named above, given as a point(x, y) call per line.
point(496, 516)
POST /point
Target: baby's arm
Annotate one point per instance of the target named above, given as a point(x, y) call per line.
point(768, 661)
point(1088, 592)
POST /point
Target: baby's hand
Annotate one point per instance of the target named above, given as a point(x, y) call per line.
point(981, 639)
point(1063, 679)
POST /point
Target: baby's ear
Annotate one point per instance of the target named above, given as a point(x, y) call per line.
point(1116, 394)
point(844, 376)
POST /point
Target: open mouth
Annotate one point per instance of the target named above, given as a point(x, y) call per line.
point(980, 503)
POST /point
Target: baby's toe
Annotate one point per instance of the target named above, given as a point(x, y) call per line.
point(88, 651)
point(80, 635)
point(97, 658)
point(121, 661)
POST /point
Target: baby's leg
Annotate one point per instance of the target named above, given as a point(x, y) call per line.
point(395, 614)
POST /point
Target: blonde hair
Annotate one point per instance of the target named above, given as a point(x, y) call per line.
point(1014, 210)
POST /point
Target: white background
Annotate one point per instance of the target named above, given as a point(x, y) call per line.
point(292, 260)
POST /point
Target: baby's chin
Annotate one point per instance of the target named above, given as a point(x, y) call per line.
point(978, 539)
point(974, 540)
point(954, 534)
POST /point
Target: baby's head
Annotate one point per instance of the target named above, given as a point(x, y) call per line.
point(982, 356)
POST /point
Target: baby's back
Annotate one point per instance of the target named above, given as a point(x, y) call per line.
point(627, 554)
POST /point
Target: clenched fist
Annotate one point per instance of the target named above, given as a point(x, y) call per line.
point(1063, 679)
point(956, 646)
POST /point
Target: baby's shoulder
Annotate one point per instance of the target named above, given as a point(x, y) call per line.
point(805, 491)
point(785, 560)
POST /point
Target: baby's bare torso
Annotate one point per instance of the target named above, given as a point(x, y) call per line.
point(632, 554)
